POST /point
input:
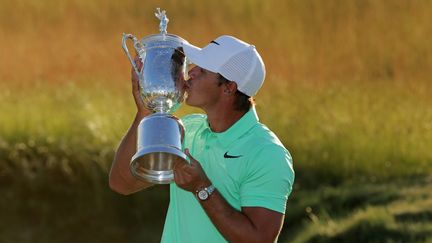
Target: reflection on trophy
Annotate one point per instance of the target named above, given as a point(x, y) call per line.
point(159, 135)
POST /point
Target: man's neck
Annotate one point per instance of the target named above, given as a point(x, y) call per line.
point(222, 119)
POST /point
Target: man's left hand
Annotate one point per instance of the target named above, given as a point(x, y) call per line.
point(190, 176)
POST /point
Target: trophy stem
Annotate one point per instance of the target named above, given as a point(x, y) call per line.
point(160, 109)
point(161, 105)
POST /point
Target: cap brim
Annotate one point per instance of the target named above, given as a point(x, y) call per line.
point(197, 56)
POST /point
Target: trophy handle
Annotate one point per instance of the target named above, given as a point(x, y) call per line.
point(136, 46)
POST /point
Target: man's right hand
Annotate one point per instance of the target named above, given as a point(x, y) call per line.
point(136, 92)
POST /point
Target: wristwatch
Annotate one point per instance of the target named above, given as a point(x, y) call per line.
point(205, 193)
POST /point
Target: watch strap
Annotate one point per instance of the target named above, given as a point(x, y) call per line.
point(210, 189)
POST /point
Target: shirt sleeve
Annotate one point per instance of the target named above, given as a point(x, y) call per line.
point(268, 180)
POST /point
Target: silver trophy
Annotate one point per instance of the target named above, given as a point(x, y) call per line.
point(159, 135)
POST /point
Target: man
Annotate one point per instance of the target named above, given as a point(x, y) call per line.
point(239, 177)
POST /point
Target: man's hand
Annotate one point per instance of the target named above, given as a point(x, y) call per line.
point(190, 177)
point(136, 88)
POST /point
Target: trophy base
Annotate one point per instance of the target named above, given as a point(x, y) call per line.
point(154, 164)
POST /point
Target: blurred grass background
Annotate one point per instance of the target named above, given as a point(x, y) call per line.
point(347, 90)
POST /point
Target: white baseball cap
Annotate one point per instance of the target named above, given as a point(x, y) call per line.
point(234, 59)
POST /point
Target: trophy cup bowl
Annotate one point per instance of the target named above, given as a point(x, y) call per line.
point(159, 135)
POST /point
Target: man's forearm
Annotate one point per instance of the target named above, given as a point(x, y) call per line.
point(121, 179)
point(234, 225)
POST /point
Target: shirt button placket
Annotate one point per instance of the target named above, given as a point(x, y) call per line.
point(209, 142)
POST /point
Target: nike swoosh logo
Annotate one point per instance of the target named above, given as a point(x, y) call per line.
point(215, 43)
point(226, 155)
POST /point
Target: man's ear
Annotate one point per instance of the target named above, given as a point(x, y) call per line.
point(230, 88)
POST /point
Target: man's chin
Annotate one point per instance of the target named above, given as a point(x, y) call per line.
point(188, 101)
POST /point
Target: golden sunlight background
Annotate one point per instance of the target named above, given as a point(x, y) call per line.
point(347, 90)
point(300, 40)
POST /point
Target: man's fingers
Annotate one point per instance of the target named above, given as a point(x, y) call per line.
point(139, 65)
point(178, 178)
point(182, 171)
point(176, 165)
point(193, 161)
point(189, 155)
point(136, 85)
point(180, 164)
point(138, 62)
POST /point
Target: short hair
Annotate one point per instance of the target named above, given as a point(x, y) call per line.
point(242, 102)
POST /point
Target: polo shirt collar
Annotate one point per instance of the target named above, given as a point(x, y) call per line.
point(246, 122)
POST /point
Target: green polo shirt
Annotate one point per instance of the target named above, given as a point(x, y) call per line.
point(247, 164)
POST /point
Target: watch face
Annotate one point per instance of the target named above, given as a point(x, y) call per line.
point(203, 194)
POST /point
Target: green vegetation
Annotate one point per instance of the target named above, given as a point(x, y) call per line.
point(396, 211)
point(57, 146)
point(348, 92)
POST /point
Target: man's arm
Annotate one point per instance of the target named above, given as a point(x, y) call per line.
point(121, 179)
point(251, 224)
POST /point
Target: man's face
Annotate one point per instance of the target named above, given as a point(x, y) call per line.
point(202, 89)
